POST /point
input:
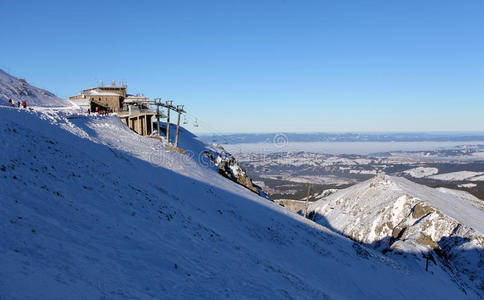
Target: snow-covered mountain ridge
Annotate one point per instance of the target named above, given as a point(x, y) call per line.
point(19, 90)
point(91, 210)
point(394, 214)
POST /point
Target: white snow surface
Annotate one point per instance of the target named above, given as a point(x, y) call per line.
point(467, 185)
point(91, 210)
point(477, 178)
point(458, 176)
point(421, 172)
point(12, 88)
point(393, 213)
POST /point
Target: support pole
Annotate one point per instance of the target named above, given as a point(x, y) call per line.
point(179, 110)
point(158, 115)
point(138, 125)
point(145, 125)
point(169, 107)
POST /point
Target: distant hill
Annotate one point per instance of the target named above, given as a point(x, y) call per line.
point(19, 90)
point(283, 138)
point(397, 216)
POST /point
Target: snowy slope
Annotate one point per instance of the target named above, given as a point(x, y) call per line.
point(421, 172)
point(459, 176)
point(397, 215)
point(91, 210)
point(12, 88)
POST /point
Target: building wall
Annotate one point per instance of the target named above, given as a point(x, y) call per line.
point(112, 102)
point(141, 124)
point(115, 90)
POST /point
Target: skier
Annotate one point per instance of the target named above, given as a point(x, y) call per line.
point(89, 111)
point(18, 104)
point(24, 104)
point(11, 102)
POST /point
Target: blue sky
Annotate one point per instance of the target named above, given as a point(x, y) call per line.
point(265, 66)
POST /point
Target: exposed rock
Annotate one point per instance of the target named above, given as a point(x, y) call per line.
point(293, 205)
point(395, 215)
point(229, 168)
point(421, 210)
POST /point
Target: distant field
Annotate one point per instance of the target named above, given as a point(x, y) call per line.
point(287, 174)
point(344, 147)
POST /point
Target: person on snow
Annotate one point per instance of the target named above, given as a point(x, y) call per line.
point(18, 104)
point(24, 104)
point(11, 102)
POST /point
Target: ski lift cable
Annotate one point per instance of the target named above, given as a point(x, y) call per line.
point(215, 133)
point(211, 130)
point(199, 122)
point(205, 124)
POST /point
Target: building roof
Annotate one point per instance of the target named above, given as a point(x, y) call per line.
point(132, 99)
point(96, 93)
point(106, 88)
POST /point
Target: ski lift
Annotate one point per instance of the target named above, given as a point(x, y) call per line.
point(214, 140)
point(195, 124)
point(185, 122)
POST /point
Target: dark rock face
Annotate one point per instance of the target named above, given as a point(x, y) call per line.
point(225, 169)
point(228, 167)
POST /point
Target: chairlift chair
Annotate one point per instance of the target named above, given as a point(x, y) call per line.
point(195, 124)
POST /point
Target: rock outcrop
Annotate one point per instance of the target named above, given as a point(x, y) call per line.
point(229, 167)
point(399, 217)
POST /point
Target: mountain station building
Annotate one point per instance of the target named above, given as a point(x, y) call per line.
point(133, 110)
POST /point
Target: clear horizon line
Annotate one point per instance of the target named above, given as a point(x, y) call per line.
point(448, 132)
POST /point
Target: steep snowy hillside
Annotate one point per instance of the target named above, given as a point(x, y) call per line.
point(19, 90)
point(91, 210)
point(398, 216)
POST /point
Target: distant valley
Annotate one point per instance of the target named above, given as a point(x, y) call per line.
point(286, 175)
